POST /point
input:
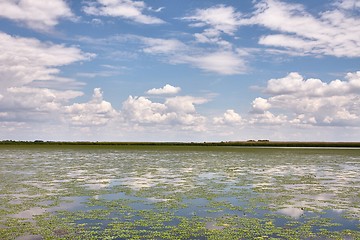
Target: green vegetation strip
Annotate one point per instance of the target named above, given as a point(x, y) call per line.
point(251, 143)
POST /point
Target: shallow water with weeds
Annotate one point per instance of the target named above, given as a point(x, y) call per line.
point(182, 192)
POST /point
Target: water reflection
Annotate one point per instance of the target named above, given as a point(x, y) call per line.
point(30, 237)
point(292, 212)
point(30, 213)
point(66, 203)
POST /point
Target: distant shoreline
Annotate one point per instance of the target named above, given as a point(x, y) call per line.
point(250, 143)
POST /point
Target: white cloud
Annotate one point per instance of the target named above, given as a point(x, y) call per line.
point(295, 84)
point(348, 4)
point(219, 19)
point(312, 101)
point(220, 62)
point(221, 59)
point(334, 32)
point(96, 112)
point(97, 21)
point(260, 105)
point(46, 114)
point(268, 118)
point(29, 78)
point(184, 104)
point(127, 9)
point(59, 83)
point(230, 117)
point(288, 42)
point(208, 36)
point(216, 20)
point(24, 60)
point(34, 104)
point(27, 95)
point(142, 110)
point(162, 46)
point(167, 89)
point(174, 112)
point(38, 15)
point(156, 10)
point(303, 119)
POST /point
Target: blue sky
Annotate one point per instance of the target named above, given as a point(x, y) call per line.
point(126, 70)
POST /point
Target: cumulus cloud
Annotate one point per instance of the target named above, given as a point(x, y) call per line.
point(177, 111)
point(260, 105)
point(38, 15)
point(40, 98)
point(127, 9)
point(184, 104)
point(334, 32)
point(34, 104)
point(167, 89)
point(96, 112)
point(230, 117)
point(311, 101)
point(295, 84)
point(268, 118)
point(143, 110)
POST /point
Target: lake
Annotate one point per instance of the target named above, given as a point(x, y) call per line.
point(180, 192)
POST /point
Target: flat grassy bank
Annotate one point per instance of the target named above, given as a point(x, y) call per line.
point(259, 143)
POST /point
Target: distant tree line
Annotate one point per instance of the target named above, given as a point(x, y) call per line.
point(250, 143)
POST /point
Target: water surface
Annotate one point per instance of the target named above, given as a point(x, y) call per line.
point(179, 192)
